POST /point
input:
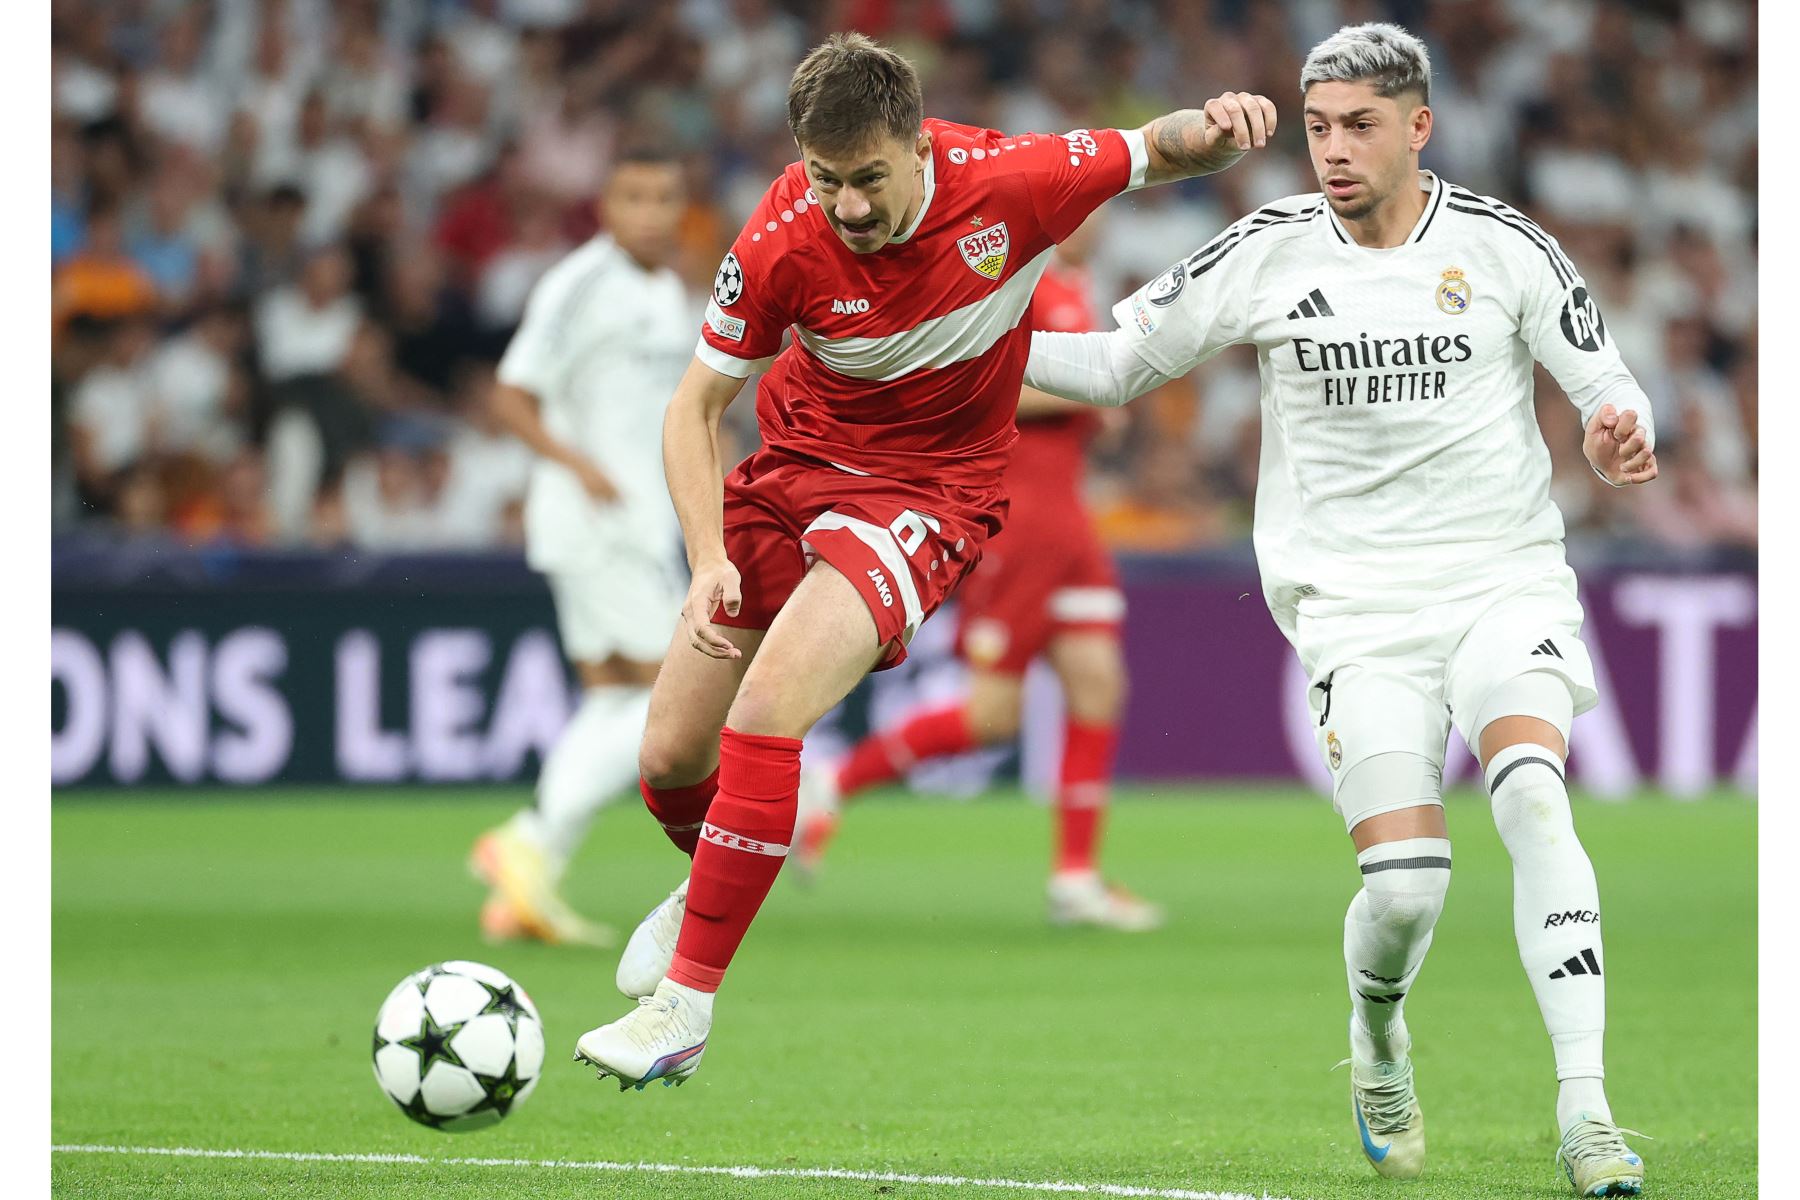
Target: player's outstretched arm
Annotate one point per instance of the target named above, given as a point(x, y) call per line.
point(1102, 369)
point(1200, 141)
point(696, 485)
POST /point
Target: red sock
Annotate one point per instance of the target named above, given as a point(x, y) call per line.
point(742, 846)
point(681, 810)
point(1081, 794)
point(886, 756)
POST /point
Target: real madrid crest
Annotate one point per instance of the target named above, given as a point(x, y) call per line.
point(1453, 294)
point(1334, 749)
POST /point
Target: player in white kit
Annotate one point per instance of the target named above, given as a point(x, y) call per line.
point(1408, 545)
point(584, 382)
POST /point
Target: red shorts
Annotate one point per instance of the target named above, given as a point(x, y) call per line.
point(905, 546)
point(1047, 574)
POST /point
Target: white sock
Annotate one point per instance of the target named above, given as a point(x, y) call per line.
point(701, 1002)
point(594, 761)
point(1556, 919)
point(1386, 934)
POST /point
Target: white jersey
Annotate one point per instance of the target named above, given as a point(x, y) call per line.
point(1401, 456)
point(602, 346)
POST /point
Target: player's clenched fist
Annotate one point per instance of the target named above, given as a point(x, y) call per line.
point(1619, 447)
point(715, 586)
point(1238, 120)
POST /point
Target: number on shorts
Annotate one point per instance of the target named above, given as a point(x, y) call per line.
point(909, 529)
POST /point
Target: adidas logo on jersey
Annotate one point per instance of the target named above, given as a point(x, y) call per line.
point(849, 306)
point(1548, 647)
point(1313, 306)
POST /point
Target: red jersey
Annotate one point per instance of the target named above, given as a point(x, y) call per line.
point(906, 363)
point(1048, 462)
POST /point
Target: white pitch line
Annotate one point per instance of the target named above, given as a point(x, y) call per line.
point(745, 1172)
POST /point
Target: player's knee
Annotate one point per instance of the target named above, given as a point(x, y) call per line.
point(668, 762)
point(1408, 907)
point(1405, 883)
point(1097, 695)
point(994, 721)
point(758, 709)
point(1091, 669)
point(1530, 800)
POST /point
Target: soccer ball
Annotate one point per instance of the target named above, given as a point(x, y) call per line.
point(458, 1046)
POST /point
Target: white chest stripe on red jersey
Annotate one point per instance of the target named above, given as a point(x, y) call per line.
point(957, 336)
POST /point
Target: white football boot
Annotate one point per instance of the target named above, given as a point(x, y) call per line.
point(1389, 1121)
point(523, 901)
point(815, 821)
point(651, 947)
point(662, 1038)
point(1087, 899)
point(1597, 1162)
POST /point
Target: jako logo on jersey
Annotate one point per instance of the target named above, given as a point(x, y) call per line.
point(985, 250)
point(1166, 287)
point(728, 284)
point(1581, 916)
point(1453, 295)
point(1581, 323)
point(881, 585)
point(849, 306)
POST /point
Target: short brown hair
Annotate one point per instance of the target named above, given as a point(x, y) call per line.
point(851, 90)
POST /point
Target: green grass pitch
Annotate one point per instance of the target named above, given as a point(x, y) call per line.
point(218, 959)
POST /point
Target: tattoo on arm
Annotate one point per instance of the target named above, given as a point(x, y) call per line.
point(1178, 147)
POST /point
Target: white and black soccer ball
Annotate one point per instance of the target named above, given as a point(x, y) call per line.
point(458, 1046)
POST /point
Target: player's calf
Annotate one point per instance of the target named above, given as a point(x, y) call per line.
point(680, 809)
point(1557, 921)
point(1387, 931)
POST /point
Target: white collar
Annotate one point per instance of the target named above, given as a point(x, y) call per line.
point(1428, 182)
point(930, 190)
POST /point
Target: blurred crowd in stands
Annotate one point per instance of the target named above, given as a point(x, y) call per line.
point(290, 237)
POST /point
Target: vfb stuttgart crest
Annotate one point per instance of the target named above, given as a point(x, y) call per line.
point(985, 250)
point(1453, 295)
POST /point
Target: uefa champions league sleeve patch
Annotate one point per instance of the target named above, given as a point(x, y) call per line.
point(728, 284)
point(1166, 288)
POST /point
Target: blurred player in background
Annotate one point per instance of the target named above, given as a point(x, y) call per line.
point(1046, 588)
point(1408, 544)
point(902, 253)
point(584, 383)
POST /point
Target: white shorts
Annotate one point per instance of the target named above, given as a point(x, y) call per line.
point(628, 608)
point(1383, 682)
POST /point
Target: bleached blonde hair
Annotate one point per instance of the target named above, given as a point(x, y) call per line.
point(1384, 55)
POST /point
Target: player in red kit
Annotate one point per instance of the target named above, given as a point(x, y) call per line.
point(1046, 589)
point(901, 253)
